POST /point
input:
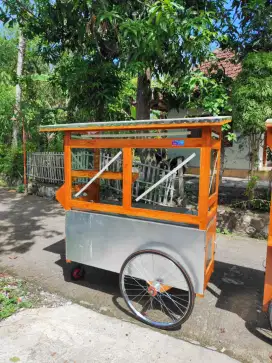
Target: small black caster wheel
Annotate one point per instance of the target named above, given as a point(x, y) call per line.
point(77, 273)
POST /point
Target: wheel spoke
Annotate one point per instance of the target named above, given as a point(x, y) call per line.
point(140, 272)
point(145, 305)
point(175, 296)
point(147, 279)
point(127, 284)
point(169, 312)
point(142, 297)
point(134, 289)
point(166, 293)
point(144, 293)
point(137, 282)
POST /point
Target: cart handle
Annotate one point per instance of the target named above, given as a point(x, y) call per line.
point(98, 174)
point(166, 176)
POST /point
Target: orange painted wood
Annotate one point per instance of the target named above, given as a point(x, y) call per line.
point(269, 137)
point(265, 150)
point(215, 144)
point(135, 143)
point(97, 167)
point(61, 197)
point(269, 242)
point(139, 127)
point(211, 234)
point(91, 173)
point(67, 170)
point(208, 275)
point(210, 238)
point(212, 213)
point(204, 181)
point(218, 167)
point(268, 279)
point(137, 212)
point(270, 222)
point(127, 177)
point(97, 159)
point(212, 199)
point(268, 269)
point(106, 175)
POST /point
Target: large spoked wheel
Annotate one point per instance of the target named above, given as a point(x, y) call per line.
point(147, 281)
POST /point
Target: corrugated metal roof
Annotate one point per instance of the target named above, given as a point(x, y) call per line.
point(185, 122)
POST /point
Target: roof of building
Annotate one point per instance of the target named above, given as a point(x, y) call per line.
point(226, 61)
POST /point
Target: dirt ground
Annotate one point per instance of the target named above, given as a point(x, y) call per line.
point(229, 318)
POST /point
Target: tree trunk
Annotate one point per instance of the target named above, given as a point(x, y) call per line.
point(100, 111)
point(17, 109)
point(143, 106)
point(143, 96)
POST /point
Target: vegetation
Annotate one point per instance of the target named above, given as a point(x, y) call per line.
point(251, 100)
point(12, 296)
point(95, 60)
point(250, 27)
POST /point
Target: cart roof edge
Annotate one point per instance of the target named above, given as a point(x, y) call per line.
point(171, 123)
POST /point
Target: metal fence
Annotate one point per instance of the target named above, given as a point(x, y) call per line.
point(48, 167)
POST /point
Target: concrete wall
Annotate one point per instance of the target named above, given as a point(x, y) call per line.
point(236, 157)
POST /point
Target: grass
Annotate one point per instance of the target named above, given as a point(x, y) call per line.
point(224, 231)
point(13, 295)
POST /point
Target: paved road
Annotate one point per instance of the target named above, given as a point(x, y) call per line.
point(75, 334)
point(228, 318)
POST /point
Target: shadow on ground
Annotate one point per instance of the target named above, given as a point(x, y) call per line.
point(241, 293)
point(237, 289)
point(22, 221)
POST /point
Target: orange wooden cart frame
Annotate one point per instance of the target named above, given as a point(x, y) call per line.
point(268, 269)
point(207, 204)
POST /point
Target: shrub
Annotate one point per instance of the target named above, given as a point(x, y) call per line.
point(11, 164)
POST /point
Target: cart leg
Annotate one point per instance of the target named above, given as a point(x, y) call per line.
point(268, 279)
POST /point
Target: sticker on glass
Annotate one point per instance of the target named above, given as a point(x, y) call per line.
point(178, 143)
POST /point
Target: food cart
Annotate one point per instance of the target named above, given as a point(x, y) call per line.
point(267, 298)
point(125, 213)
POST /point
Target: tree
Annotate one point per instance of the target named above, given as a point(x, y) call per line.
point(18, 97)
point(8, 60)
point(251, 26)
point(251, 100)
point(162, 38)
point(148, 38)
point(90, 84)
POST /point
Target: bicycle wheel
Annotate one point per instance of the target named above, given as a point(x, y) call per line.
point(147, 280)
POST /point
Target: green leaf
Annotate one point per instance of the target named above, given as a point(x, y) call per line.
point(158, 17)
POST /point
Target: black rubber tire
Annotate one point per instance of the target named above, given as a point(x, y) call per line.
point(187, 278)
